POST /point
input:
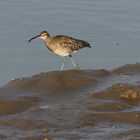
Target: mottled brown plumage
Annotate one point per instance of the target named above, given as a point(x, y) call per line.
point(62, 45)
point(69, 42)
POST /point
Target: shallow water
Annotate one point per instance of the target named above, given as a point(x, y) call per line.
point(102, 105)
point(102, 23)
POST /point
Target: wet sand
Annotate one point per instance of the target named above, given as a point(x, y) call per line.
point(72, 105)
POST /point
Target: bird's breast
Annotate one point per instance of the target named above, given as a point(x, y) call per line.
point(62, 51)
point(59, 49)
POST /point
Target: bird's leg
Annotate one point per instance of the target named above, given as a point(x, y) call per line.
point(74, 65)
point(63, 63)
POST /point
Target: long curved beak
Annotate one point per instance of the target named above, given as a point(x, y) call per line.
point(34, 38)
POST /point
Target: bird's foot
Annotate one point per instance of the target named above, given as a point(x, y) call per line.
point(76, 67)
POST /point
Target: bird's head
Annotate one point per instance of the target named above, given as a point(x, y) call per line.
point(43, 35)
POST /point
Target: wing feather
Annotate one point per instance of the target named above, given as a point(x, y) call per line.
point(70, 42)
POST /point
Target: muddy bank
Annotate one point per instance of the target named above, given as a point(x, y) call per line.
point(72, 105)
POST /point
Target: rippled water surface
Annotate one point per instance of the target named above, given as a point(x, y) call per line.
point(112, 28)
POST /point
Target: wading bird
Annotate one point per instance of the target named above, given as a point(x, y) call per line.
point(62, 45)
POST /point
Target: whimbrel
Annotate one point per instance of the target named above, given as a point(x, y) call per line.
point(62, 45)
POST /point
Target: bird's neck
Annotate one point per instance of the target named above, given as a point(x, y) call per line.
point(46, 40)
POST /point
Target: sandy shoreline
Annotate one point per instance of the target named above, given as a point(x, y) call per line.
point(72, 105)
